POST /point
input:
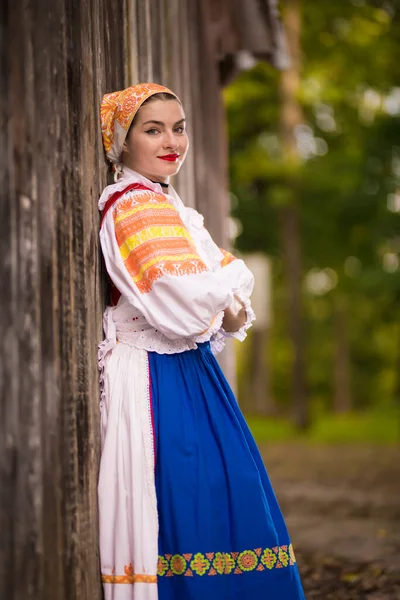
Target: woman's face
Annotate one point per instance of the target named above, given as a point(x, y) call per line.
point(157, 143)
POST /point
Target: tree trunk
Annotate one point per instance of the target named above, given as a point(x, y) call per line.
point(260, 383)
point(397, 390)
point(291, 117)
point(292, 258)
point(342, 401)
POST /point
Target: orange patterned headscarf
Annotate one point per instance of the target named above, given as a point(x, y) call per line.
point(117, 111)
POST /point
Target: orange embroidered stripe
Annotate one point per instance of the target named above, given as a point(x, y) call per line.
point(129, 577)
point(151, 217)
point(136, 578)
point(226, 563)
point(153, 241)
point(148, 224)
point(135, 198)
point(228, 258)
point(137, 204)
point(137, 270)
point(162, 246)
point(149, 234)
point(142, 258)
point(170, 267)
point(125, 229)
point(130, 211)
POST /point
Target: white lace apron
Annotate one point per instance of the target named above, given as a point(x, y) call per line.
point(127, 497)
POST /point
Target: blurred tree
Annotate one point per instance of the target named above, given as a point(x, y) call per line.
point(291, 117)
point(346, 182)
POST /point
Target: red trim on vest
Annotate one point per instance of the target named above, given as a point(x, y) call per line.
point(117, 195)
point(115, 294)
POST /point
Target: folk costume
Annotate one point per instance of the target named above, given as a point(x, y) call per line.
point(187, 511)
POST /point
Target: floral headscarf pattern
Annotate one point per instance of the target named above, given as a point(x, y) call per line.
point(117, 111)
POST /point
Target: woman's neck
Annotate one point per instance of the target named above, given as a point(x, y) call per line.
point(128, 170)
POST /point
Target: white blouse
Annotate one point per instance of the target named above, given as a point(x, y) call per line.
point(174, 281)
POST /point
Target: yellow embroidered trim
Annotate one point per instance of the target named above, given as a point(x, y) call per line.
point(140, 207)
point(224, 563)
point(129, 577)
point(137, 578)
point(149, 233)
point(162, 259)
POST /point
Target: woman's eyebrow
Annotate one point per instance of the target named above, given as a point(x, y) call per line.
point(156, 122)
point(162, 123)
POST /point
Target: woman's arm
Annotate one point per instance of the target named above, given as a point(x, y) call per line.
point(151, 258)
point(240, 279)
point(234, 321)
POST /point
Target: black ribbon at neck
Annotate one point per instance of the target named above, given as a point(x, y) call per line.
point(163, 185)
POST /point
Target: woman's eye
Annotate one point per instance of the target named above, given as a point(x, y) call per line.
point(180, 130)
point(152, 131)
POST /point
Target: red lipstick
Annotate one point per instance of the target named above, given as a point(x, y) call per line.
point(169, 157)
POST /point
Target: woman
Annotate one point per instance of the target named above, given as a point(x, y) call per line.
point(186, 508)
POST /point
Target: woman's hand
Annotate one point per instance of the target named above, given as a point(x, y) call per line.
point(232, 321)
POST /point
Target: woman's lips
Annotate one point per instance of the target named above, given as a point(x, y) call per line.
point(170, 157)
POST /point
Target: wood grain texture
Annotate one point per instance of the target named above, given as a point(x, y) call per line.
point(58, 59)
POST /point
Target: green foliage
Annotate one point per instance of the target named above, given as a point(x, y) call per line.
point(346, 183)
point(370, 427)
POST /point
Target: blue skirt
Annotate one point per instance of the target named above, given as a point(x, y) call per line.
point(222, 535)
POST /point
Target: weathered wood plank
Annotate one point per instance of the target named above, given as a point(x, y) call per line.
point(46, 44)
point(57, 60)
point(144, 40)
point(9, 384)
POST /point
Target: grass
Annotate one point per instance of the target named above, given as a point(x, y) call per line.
point(366, 427)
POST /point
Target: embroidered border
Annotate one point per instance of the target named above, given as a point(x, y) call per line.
point(153, 241)
point(129, 577)
point(225, 563)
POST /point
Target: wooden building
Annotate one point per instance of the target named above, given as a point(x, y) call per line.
point(58, 57)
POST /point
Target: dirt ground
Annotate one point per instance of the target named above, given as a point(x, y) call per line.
point(342, 508)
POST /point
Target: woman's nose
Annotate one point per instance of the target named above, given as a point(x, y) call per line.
point(171, 140)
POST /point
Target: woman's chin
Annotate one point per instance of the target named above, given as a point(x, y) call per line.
point(170, 169)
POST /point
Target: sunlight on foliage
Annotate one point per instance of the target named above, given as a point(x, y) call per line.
point(348, 193)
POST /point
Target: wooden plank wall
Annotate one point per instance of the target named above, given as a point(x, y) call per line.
point(174, 46)
point(57, 58)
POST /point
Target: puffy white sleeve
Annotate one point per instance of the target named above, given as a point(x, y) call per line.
point(152, 260)
point(238, 277)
